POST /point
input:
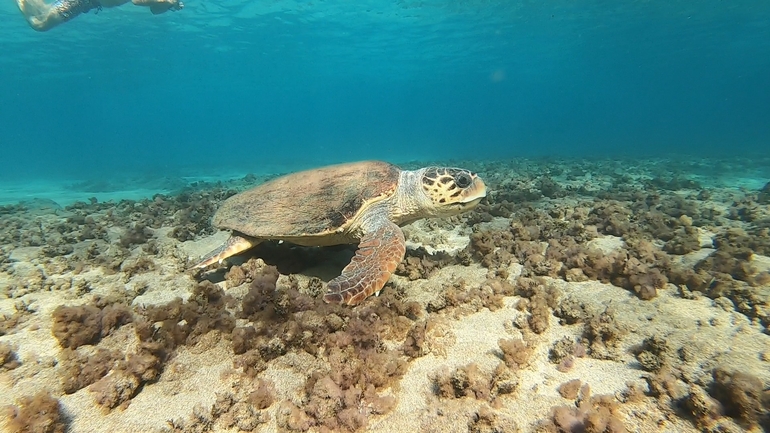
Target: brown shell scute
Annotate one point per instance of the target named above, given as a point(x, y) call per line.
point(308, 202)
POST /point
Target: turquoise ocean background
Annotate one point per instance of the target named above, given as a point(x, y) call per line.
point(228, 86)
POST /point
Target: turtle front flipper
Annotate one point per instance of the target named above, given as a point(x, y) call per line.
point(381, 250)
point(232, 246)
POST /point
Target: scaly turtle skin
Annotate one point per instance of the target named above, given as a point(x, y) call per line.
point(362, 202)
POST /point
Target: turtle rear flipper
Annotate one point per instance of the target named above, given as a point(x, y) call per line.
point(381, 250)
point(232, 246)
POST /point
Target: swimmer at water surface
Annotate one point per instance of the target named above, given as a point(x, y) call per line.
point(43, 16)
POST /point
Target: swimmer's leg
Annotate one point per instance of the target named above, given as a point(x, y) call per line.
point(37, 14)
point(42, 16)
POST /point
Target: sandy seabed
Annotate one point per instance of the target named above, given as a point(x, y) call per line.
point(580, 296)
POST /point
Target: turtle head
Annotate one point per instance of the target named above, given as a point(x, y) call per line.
point(452, 191)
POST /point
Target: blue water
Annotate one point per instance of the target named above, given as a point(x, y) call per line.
point(244, 84)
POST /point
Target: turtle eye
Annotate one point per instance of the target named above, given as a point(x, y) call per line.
point(463, 180)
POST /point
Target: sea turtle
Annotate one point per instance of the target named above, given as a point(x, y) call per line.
point(362, 202)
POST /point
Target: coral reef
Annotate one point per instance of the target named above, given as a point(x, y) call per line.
point(570, 389)
point(80, 369)
point(516, 353)
point(486, 420)
point(742, 396)
point(8, 358)
point(244, 412)
point(340, 395)
point(86, 324)
point(573, 261)
point(472, 381)
point(39, 413)
point(597, 414)
point(602, 335)
point(651, 354)
point(563, 353)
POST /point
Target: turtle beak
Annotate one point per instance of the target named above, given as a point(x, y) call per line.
point(475, 192)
